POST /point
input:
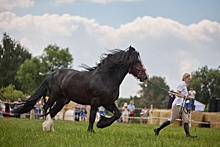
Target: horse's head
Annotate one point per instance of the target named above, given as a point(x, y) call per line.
point(137, 69)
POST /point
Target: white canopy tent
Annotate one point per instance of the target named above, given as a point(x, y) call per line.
point(198, 106)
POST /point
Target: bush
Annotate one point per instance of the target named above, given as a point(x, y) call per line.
point(10, 93)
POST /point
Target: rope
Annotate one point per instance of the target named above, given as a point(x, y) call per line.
point(184, 101)
point(161, 87)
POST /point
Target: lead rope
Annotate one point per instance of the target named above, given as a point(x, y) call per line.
point(184, 101)
point(161, 87)
point(186, 110)
point(183, 106)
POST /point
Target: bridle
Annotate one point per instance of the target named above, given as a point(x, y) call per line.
point(139, 69)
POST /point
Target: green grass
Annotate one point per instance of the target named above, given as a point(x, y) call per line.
point(28, 133)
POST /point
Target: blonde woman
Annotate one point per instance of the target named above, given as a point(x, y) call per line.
point(182, 94)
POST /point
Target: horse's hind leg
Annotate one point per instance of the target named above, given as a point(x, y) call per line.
point(104, 121)
point(48, 124)
point(58, 106)
point(53, 97)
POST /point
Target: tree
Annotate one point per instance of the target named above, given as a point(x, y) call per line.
point(32, 73)
point(206, 83)
point(54, 58)
point(12, 55)
point(151, 95)
point(10, 93)
point(29, 74)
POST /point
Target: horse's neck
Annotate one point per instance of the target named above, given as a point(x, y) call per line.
point(119, 75)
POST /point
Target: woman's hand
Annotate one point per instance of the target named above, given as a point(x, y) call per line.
point(182, 96)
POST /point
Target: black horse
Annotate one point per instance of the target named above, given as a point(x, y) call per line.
point(96, 86)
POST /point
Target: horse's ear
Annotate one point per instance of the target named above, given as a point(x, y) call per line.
point(131, 49)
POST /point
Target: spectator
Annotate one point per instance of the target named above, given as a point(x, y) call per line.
point(131, 108)
point(125, 113)
point(83, 113)
point(37, 110)
point(192, 94)
point(144, 115)
point(7, 108)
point(171, 99)
point(77, 112)
point(102, 111)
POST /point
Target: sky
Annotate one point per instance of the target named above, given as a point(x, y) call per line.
point(172, 37)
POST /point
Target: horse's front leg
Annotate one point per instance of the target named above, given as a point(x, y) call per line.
point(104, 122)
point(93, 111)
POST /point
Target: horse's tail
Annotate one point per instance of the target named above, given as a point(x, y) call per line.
point(30, 102)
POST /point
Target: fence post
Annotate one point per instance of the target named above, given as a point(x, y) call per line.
point(151, 117)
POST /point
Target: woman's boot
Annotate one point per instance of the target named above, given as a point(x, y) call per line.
point(186, 128)
point(164, 124)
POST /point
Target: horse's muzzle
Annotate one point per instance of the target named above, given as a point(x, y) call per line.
point(144, 79)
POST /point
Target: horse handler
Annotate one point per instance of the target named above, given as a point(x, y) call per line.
point(178, 107)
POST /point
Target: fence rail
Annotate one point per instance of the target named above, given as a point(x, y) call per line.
point(63, 114)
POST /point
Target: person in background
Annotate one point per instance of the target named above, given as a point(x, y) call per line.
point(83, 113)
point(37, 110)
point(171, 99)
point(77, 111)
point(192, 94)
point(144, 115)
point(102, 111)
point(7, 108)
point(125, 113)
point(178, 107)
point(131, 108)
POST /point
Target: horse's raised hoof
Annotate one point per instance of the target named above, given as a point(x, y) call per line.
point(101, 125)
point(156, 131)
point(102, 122)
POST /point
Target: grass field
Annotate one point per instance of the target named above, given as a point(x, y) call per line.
point(28, 133)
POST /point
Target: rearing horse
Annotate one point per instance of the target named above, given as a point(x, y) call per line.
point(96, 86)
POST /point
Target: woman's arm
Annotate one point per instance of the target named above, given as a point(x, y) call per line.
point(181, 95)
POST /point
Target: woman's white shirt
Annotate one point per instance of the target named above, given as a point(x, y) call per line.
point(183, 91)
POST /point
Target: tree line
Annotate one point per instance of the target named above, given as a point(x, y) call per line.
point(21, 74)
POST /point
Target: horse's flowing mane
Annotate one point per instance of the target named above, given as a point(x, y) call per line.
point(116, 58)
